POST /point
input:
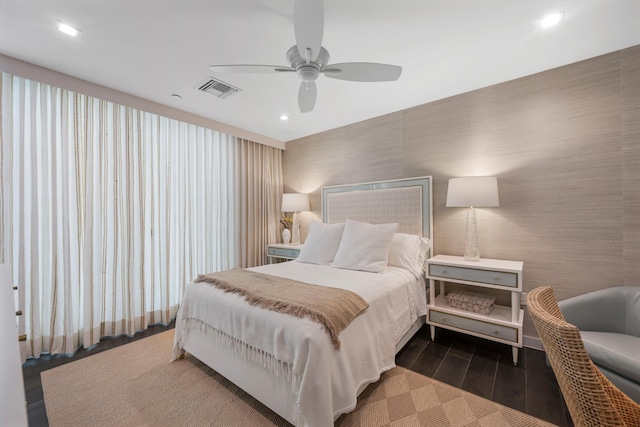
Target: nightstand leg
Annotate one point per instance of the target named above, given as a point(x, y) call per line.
point(433, 333)
point(514, 351)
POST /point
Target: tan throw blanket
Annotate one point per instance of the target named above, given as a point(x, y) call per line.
point(333, 308)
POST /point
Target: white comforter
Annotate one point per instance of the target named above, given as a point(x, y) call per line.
point(326, 381)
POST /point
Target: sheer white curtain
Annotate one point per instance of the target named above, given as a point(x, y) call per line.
point(108, 211)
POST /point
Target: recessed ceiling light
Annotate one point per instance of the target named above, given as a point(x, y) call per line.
point(552, 19)
point(67, 29)
point(284, 117)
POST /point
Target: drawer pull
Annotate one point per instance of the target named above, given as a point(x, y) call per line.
point(496, 333)
point(22, 338)
point(496, 279)
point(19, 313)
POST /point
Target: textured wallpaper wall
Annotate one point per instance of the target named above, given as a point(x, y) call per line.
point(564, 144)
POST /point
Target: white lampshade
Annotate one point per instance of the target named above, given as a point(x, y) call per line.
point(473, 191)
point(295, 202)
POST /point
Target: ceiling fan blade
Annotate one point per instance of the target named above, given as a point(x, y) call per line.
point(308, 25)
point(250, 68)
point(307, 95)
point(363, 72)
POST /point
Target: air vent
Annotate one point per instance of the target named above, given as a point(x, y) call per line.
point(217, 88)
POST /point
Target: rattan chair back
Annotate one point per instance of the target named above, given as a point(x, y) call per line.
point(591, 398)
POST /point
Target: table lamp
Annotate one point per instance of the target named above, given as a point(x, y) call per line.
point(295, 202)
point(472, 192)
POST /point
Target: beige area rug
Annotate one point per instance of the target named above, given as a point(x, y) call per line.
point(136, 385)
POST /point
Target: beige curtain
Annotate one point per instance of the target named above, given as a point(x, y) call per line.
point(108, 212)
point(259, 196)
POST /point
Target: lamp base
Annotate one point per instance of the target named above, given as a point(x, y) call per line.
point(471, 251)
point(472, 258)
point(295, 230)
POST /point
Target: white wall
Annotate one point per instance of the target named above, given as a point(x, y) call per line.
point(13, 408)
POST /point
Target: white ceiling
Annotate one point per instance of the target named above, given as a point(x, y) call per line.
point(152, 49)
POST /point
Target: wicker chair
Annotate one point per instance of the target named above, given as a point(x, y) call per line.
point(591, 398)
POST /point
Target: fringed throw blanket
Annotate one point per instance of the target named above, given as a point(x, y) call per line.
point(333, 308)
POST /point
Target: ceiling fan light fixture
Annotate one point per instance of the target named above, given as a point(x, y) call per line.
point(308, 73)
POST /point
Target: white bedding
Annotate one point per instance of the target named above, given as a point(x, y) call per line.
point(325, 380)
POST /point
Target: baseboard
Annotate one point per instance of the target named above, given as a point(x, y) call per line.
point(532, 342)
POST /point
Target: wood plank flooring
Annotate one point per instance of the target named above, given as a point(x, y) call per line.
point(478, 366)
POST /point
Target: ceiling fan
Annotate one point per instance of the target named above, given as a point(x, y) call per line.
point(309, 59)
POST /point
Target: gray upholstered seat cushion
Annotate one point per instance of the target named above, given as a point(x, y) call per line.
point(617, 353)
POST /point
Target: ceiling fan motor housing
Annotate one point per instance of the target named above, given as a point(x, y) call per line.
point(307, 72)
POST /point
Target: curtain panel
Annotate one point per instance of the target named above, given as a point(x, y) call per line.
point(108, 212)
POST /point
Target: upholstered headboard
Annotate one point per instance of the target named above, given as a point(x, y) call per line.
point(405, 201)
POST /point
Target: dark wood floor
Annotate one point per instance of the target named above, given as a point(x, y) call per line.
point(478, 366)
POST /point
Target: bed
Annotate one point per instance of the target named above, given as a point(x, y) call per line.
point(290, 364)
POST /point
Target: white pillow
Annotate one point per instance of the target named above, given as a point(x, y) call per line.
point(321, 244)
point(364, 246)
point(409, 251)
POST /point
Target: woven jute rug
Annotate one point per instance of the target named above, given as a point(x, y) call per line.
point(136, 385)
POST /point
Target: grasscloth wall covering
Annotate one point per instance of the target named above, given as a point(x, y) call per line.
point(564, 144)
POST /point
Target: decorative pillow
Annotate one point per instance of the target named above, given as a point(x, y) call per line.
point(364, 246)
point(321, 244)
point(409, 251)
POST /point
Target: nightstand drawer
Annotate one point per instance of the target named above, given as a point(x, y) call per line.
point(499, 278)
point(283, 252)
point(478, 326)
